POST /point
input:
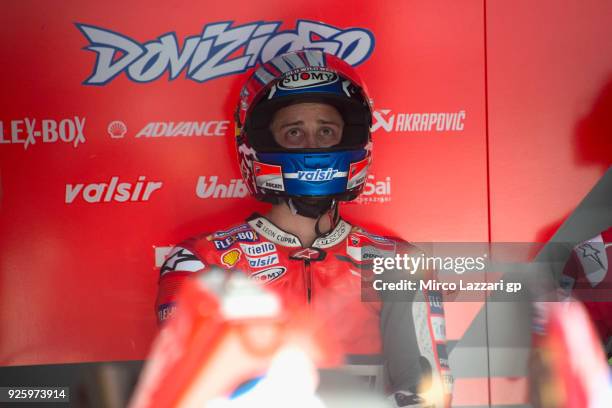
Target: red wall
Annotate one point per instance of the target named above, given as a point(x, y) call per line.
point(549, 81)
point(532, 83)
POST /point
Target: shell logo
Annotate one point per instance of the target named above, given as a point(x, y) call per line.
point(116, 129)
point(231, 257)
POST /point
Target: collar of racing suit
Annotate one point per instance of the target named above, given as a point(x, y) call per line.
point(273, 233)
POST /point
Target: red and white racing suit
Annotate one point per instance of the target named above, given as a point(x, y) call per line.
point(327, 276)
point(587, 277)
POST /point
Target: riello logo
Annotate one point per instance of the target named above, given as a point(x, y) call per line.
point(212, 188)
point(220, 50)
point(112, 191)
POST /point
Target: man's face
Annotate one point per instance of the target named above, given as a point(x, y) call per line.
point(307, 126)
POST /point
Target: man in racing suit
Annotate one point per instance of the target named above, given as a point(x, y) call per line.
point(586, 277)
point(304, 144)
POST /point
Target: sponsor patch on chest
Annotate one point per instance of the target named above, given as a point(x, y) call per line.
point(268, 275)
point(263, 248)
point(243, 236)
point(263, 261)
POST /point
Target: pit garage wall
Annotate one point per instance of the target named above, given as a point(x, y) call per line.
point(549, 87)
point(510, 163)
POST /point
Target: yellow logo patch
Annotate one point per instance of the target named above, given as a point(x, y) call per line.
point(231, 257)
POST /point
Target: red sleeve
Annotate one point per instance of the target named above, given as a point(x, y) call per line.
point(180, 264)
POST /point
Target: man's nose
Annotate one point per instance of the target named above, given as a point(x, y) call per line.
point(311, 140)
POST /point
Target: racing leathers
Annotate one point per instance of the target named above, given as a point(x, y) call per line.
point(328, 276)
point(587, 277)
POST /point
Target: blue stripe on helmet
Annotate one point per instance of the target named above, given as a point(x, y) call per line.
point(314, 174)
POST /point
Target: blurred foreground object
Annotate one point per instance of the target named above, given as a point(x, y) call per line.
point(231, 344)
point(568, 368)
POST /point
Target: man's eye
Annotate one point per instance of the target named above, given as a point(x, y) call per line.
point(328, 136)
point(327, 132)
point(294, 135)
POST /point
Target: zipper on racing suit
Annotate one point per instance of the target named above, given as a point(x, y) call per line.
point(308, 277)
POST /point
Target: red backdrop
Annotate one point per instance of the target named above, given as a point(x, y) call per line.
point(487, 127)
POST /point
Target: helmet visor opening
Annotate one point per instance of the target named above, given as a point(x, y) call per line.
point(356, 117)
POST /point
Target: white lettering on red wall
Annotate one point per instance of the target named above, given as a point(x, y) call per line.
point(112, 191)
point(220, 50)
point(29, 131)
point(172, 129)
point(213, 188)
point(375, 191)
point(389, 121)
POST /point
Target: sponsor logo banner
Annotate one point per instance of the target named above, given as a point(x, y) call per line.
point(116, 129)
point(273, 233)
point(214, 189)
point(220, 50)
point(368, 253)
point(390, 121)
point(375, 191)
point(221, 244)
point(258, 249)
point(220, 234)
point(362, 246)
point(364, 237)
point(268, 275)
point(268, 176)
point(113, 191)
point(231, 257)
point(28, 131)
point(360, 252)
point(317, 175)
point(263, 261)
point(165, 311)
point(357, 173)
point(334, 237)
point(307, 79)
point(243, 236)
point(189, 129)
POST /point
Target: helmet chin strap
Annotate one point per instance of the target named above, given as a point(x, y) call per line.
point(309, 207)
point(315, 209)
